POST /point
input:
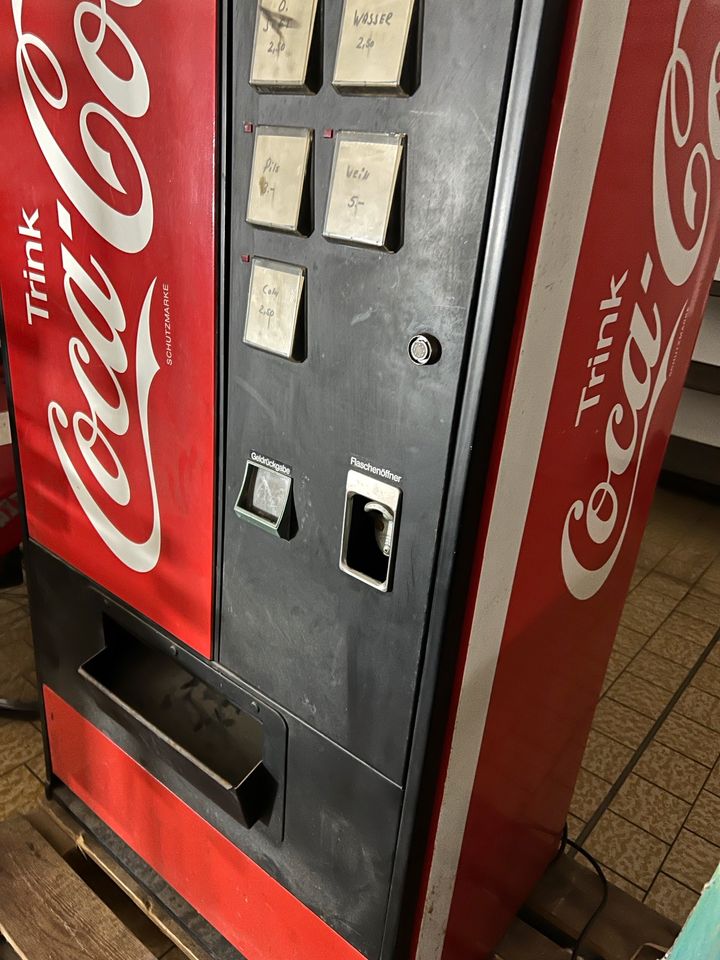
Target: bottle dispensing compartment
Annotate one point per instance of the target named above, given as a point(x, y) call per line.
point(370, 527)
point(230, 750)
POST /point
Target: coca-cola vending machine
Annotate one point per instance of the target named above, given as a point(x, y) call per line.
point(344, 340)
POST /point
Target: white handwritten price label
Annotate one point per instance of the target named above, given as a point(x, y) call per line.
point(273, 312)
point(277, 181)
point(283, 37)
point(363, 188)
point(373, 44)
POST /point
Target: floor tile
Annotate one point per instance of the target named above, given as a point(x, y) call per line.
point(626, 849)
point(17, 688)
point(574, 826)
point(671, 899)
point(19, 742)
point(622, 724)
point(13, 610)
point(709, 583)
point(20, 791)
point(15, 658)
point(37, 766)
point(658, 670)
point(617, 663)
point(704, 818)
point(638, 694)
point(687, 561)
point(667, 534)
point(714, 655)
point(672, 511)
point(682, 650)
point(690, 628)
point(606, 758)
point(667, 586)
point(670, 770)
point(589, 793)
point(17, 634)
point(628, 642)
point(623, 884)
point(708, 679)
point(692, 860)
point(690, 738)
point(645, 612)
point(650, 807)
point(651, 553)
point(707, 587)
point(701, 707)
point(701, 608)
point(18, 629)
point(637, 578)
point(713, 781)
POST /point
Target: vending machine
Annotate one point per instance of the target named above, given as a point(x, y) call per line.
point(344, 343)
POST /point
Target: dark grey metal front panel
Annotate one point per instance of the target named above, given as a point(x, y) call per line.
point(336, 653)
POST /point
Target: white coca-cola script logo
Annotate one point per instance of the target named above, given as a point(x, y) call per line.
point(129, 232)
point(602, 513)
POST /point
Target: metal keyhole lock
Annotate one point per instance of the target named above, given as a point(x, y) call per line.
point(424, 350)
point(384, 520)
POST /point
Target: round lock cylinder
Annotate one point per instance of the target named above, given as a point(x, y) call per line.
point(424, 349)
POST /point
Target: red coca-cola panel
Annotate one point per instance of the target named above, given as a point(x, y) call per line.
point(107, 271)
point(625, 243)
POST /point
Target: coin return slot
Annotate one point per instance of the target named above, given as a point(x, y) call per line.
point(266, 500)
point(370, 530)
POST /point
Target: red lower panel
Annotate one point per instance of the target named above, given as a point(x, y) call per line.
point(254, 912)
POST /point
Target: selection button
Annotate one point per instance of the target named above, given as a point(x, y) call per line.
point(378, 48)
point(279, 196)
point(276, 309)
point(284, 58)
point(365, 202)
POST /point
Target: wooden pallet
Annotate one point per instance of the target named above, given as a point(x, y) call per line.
point(561, 905)
point(64, 895)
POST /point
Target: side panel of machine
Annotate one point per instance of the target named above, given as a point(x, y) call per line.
point(107, 187)
point(341, 648)
point(625, 246)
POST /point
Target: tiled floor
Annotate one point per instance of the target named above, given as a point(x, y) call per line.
point(647, 807)
point(647, 803)
point(21, 751)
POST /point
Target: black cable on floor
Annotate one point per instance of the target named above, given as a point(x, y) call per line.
point(567, 842)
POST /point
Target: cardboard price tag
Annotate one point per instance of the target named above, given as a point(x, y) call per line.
point(283, 36)
point(373, 43)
